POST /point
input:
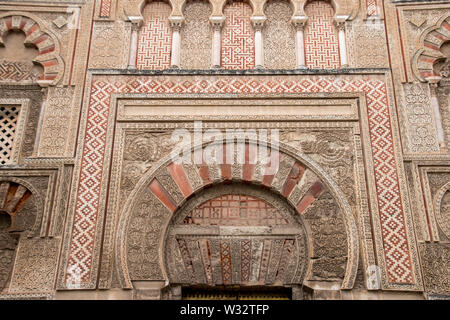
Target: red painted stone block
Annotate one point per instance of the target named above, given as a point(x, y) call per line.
point(162, 195)
point(249, 165)
point(294, 176)
point(32, 29)
point(271, 168)
point(204, 174)
point(180, 178)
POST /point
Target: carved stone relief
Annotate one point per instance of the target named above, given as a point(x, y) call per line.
point(420, 121)
point(426, 32)
point(367, 43)
point(443, 213)
point(58, 112)
point(279, 36)
point(8, 245)
point(443, 94)
point(18, 212)
point(332, 150)
point(143, 240)
point(35, 265)
point(44, 66)
point(142, 150)
point(439, 183)
point(329, 256)
point(108, 45)
point(196, 33)
point(227, 228)
point(435, 267)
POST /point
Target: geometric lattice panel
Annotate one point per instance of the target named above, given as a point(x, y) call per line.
point(155, 37)
point(235, 210)
point(196, 40)
point(372, 8)
point(321, 40)
point(8, 123)
point(279, 36)
point(238, 38)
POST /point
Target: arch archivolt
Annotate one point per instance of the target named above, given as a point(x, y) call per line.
point(166, 192)
point(38, 35)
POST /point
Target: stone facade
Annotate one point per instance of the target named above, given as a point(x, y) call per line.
point(351, 97)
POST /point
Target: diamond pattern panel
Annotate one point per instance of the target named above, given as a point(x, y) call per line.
point(392, 219)
point(321, 39)
point(155, 37)
point(238, 38)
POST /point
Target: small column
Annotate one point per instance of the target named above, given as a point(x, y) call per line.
point(299, 23)
point(340, 23)
point(258, 24)
point(176, 23)
point(136, 23)
point(434, 81)
point(217, 23)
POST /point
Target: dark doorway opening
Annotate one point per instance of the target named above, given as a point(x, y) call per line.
point(236, 293)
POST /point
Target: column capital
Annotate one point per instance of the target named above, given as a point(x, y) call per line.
point(217, 22)
point(176, 22)
point(258, 22)
point(299, 22)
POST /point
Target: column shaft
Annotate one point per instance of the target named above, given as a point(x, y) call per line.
point(133, 47)
point(216, 47)
point(259, 55)
point(176, 44)
point(342, 45)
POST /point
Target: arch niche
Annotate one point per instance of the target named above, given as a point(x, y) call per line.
point(239, 224)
